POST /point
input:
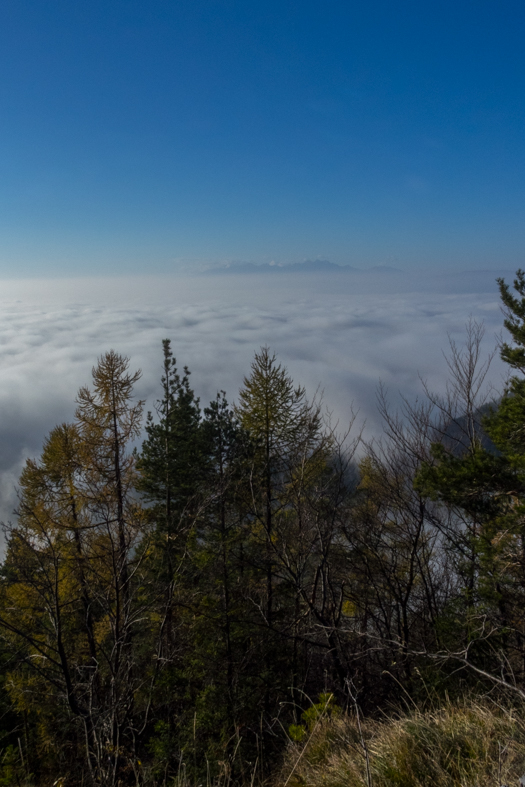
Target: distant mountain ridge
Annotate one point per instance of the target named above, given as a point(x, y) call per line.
point(308, 266)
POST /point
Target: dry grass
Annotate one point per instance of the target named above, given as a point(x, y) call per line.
point(469, 745)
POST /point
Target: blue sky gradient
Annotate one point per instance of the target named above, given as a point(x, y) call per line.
point(166, 136)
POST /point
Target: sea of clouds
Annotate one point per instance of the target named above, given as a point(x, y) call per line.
point(341, 333)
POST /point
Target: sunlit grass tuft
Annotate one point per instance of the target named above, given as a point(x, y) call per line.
point(468, 745)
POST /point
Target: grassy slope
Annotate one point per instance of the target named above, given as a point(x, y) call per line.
point(466, 745)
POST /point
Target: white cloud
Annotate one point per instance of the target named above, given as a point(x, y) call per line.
point(342, 333)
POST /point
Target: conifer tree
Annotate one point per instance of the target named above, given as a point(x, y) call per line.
point(171, 459)
point(223, 658)
point(74, 569)
point(282, 424)
point(172, 466)
point(486, 484)
point(284, 429)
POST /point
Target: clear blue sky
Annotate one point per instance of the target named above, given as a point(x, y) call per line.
point(152, 136)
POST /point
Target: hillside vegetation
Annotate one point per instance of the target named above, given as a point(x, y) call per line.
point(252, 598)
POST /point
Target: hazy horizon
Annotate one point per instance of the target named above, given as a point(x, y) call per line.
point(142, 143)
point(163, 137)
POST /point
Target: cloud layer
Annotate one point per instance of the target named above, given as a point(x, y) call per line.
point(341, 335)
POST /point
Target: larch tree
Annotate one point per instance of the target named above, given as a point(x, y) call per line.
point(73, 594)
point(285, 430)
point(283, 426)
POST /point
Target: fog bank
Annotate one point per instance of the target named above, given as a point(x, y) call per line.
point(341, 333)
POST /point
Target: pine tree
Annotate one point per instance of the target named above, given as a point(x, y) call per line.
point(486, 486)
point(172, 456)
point(222, 658)
point(172, 466)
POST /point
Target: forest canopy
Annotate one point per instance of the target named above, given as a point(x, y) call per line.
point(179, 590)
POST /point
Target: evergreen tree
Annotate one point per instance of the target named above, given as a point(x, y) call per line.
point(486, 485)
point(171, 461)
point(172, 466)
point(223, 656)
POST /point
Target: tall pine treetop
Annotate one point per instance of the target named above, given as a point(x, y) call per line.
point(514, 310)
